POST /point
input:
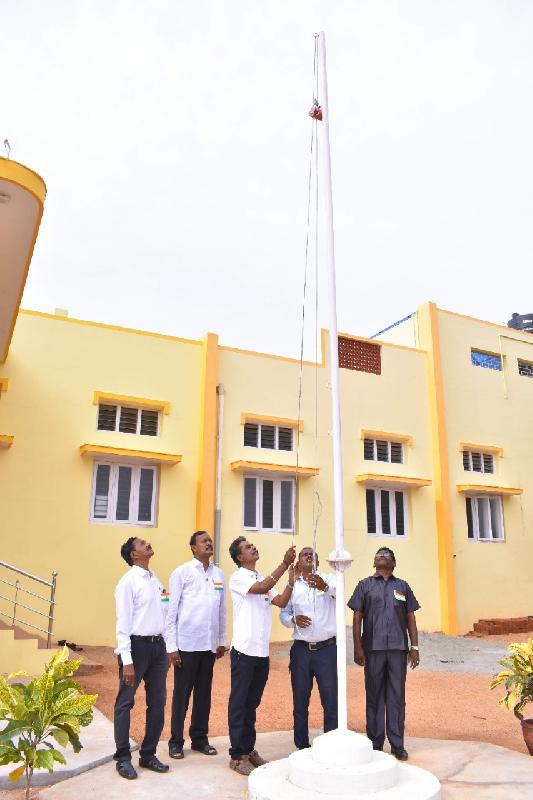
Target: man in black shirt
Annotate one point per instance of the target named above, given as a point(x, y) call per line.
point(385, 607)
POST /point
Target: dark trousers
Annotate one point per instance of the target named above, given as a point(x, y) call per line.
point(195, 675)
point(249, 675)
point(305, 665)
point(150, 665)
point(385, 672)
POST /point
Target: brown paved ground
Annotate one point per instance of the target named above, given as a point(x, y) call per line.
point(440, 705)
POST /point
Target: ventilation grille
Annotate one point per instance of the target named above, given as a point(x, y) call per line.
point(360, 356)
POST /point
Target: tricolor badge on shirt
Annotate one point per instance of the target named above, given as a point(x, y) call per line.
point(165, 596)
point(399, 595)
point(218, 585)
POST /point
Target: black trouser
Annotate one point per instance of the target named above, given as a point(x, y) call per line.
point(150, 665)
point(195, 673)
point(305, 665)
point(249, 675)
point(385, 672)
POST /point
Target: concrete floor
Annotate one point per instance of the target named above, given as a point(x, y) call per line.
point(467, 770)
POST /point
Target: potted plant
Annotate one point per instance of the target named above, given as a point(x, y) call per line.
point(517, 676)
point(45, 711)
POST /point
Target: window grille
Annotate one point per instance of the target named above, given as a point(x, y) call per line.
point(268, 504)
point(385, 512)
point(383, 450)
point(268, 437)
point(474, 461)
point(484, 518)
point(486, 360)
point(128, 419)
point(123, 493)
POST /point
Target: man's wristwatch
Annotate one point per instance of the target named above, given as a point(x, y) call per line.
point(415, 647)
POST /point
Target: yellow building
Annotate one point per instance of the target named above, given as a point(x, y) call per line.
point(108, 432)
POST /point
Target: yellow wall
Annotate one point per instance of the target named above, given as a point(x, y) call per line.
point(54, 367)
point(484, 406)
point(56, 364)
point(269, 386)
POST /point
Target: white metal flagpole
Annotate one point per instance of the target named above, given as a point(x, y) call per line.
point(339, 557)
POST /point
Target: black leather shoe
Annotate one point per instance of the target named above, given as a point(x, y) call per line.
point(154, 764)
point(126, 770)
point(377, 747)
point(206, 749)
point(175, 752)
point(400, 754)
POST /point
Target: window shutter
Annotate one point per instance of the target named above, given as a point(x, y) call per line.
point(128, 420)
point(149, 423)
point(123, 494)
point(466, 460)
point(385, 511)
point(286, 511)
point(107, 417)
point(469, 518)
point(250, 502)
point(371, 511)
point(369, 450)
point(483, 517)
point(101, 491)
point(495, 505)
point(396, 452)
point(146, 489)
point(400, 513)
point(268, 504)
point(284, 438)
point(488, 462)
point(382, 449)
point(268, 436)
point(251, 435)
point(476, 462)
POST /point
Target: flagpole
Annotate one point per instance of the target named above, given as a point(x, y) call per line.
point(340, 558)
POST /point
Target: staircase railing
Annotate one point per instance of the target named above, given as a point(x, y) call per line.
point(17, 604)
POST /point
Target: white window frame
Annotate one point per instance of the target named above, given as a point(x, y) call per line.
point(134, 494)
point(139, 410)
point(475, 499)
point(389, 451)
point(392, 509)
point(277, 481)
point(481, 453)
point(276, 436)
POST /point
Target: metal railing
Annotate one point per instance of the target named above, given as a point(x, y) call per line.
point(17, 604)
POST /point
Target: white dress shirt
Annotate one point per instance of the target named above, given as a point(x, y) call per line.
point(141, 601)
point(252, 620)
point(196, 618)
point(318, 606)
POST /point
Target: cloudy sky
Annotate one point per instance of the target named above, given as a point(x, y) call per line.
point(174, 141)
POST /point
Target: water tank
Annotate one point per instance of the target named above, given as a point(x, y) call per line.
point(521, 322)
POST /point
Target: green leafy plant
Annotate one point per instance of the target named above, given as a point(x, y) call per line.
point(517, 676)
point(51, 707)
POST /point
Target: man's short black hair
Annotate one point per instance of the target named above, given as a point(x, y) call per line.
point(125, 550)
point(192, 540)
point(387, 550)
point(235, 549)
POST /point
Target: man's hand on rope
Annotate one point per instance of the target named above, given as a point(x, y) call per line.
point(290, 556)
point(316, 582)
point(301, 621)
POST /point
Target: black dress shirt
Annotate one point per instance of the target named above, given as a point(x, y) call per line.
point(384, 605)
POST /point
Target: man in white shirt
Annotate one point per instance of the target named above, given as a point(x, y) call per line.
point(195, 635)
point(311, 613)
point(141, 654)
point(251, 595)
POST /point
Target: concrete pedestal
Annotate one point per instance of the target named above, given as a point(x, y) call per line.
point(341, 765)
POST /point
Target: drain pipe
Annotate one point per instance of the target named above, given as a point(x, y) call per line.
point(218, 483)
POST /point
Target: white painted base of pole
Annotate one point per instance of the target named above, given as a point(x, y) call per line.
point(340, 765)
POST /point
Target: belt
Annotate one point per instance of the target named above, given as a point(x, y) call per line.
point(316, 645)
point(157, 638)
